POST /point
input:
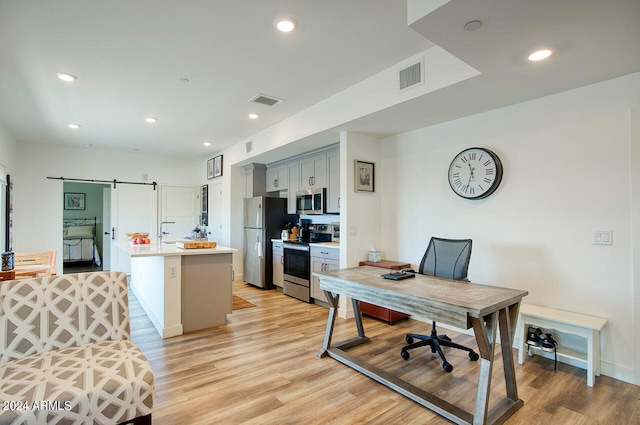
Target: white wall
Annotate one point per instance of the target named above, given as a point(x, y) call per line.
point(566, 173)
point(38, 201)
point(7, 150)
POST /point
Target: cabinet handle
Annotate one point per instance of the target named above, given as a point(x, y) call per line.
point(282, 260)
point(338, 202)
point(310, 184)
point(276, 183)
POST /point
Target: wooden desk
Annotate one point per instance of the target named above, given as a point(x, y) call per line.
point(388, 315)
point(7, 275)
point(460, 304)
point(32, 270)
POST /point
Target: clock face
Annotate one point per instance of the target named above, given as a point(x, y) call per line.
point(475, 173)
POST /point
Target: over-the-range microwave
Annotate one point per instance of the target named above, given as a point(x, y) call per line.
point(311, 201)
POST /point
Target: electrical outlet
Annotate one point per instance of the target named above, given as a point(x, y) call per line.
point(173, 271)
point(602, 237)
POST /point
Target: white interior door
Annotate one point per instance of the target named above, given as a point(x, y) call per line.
point(106, 229)
point(134, 208)
point(181, 205)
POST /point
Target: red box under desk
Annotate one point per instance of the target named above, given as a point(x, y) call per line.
point(382, 313)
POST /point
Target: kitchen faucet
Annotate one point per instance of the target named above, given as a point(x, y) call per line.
point(160, 232)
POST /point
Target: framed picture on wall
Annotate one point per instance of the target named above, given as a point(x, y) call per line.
point(74, 201)
point(365, 177)
point(210, 168)
point(217, 166)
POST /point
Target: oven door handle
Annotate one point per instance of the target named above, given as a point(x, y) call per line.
point(297, 248)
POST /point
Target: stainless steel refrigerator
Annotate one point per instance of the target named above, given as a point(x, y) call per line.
point(264, 219)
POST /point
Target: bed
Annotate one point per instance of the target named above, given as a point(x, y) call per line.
point(79, 241)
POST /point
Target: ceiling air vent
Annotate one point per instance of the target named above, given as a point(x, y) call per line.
point(263, 99)
point(411, 76)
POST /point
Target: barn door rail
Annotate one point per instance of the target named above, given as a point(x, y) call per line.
point(114, 181)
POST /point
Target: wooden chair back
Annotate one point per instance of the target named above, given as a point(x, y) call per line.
point(32, 258)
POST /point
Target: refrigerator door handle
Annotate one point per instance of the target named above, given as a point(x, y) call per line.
point(258, 215)
point(259, 246)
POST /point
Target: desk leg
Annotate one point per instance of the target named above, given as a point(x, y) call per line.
point(486, 339)
point(508, 318)
point(333, 310)
point(358, 317)
point(485, 331)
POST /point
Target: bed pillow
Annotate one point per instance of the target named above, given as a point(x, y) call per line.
point(80, 232)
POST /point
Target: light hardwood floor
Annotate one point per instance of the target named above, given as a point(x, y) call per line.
point(261, 368)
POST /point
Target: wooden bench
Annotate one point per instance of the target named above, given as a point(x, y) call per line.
point(583, 325)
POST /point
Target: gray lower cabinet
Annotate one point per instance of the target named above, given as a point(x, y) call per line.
point(278, 263)
point(323, 259)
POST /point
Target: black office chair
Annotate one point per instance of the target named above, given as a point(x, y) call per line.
point(449, 259)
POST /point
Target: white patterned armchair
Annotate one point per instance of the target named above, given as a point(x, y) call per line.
point(65, 354)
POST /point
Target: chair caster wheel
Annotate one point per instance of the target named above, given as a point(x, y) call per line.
point(448, 367)
point(474, 356)
point(404, 354)
point(409, 340)
point(446, 338)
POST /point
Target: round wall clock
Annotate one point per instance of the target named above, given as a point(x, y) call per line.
point(475, 173)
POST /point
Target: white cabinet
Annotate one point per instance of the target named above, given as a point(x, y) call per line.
point(278, 263)
point(278, 178)
point(313, 172)
point(333, 177)
point(323, 259)
point(294, 186)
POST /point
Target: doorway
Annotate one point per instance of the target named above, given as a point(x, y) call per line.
point(83, 227)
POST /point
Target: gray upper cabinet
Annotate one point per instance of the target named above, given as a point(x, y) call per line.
point(313, 172)
point(278, 178)
point(317, 170)
point(294, 186)
point(333, 177)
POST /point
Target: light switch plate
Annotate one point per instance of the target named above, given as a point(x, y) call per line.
point(602, 237)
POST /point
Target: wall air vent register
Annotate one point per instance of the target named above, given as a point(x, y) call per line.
point(411, 76)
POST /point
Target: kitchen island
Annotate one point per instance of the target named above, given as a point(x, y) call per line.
point(181, 290)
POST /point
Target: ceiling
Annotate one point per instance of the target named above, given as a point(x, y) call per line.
point(132, 58)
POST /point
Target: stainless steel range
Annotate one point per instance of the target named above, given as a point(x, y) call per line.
point(296, 270)
point(297, 262)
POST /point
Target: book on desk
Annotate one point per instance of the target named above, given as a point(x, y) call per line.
point(400, 274)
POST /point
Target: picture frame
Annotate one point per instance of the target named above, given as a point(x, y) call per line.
point(364, 176)
point(217, 166)
point(74, 201)
point(209, 169)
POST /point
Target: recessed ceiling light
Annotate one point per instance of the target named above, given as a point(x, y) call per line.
point(207, 143)
point(254, 116)
point(74, 126)
point(65, 76)
point(539, 55)
point(151, 119)
point(286, 24)
point(88, 145)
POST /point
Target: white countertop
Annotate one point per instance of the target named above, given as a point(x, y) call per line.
point(325, 244)
point(156, 249)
